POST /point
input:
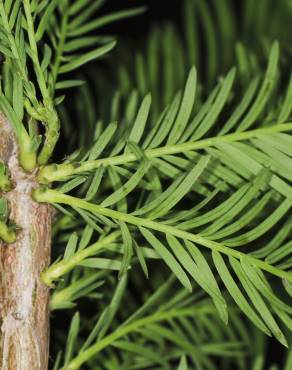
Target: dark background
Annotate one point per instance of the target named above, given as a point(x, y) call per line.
point(157, 10)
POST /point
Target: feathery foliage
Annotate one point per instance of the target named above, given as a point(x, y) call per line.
point(172, 231)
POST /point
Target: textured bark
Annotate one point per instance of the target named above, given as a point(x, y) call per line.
point(24, 313)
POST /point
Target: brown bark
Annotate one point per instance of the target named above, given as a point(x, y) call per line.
point(24, 313)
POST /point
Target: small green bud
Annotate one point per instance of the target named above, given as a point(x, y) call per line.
point(6, 233)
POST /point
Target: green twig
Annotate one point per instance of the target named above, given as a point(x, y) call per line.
point(34, 50)
point(61, 172)
point(60, 46)
point(27, 155)
point(53, 196)
point(61, 268)
point(84, 356)
point(52, 123)
point(50, 116)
